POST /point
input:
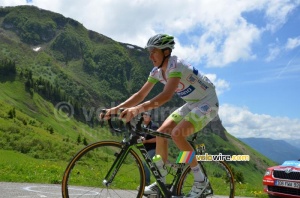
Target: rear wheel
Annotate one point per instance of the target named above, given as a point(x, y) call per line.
point(219, 175)
point(85, 174)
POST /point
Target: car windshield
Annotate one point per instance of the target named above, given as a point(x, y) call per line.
point(291, 163)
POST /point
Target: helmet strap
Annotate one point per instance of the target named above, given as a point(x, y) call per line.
point(165, 57)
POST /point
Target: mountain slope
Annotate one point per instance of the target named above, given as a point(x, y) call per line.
point(277, 150)
point(295, 143)
point(63, 74)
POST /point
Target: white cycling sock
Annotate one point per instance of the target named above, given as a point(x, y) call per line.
point(198, 175)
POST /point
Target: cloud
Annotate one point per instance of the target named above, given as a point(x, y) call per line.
point(274, 51)
point(292, 43)
point(220, 84)
point(277, 13)
point(242, 123)
point(214, 33)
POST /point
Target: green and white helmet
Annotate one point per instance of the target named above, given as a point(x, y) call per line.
point(161, 41)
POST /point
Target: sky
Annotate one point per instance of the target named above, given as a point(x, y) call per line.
point(249, 49)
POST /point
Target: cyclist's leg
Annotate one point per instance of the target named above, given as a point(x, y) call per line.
point(179, 135)
point(162, 150)
point(168, 125)
point(162, 143)
point(200, 115)
point(221, 180)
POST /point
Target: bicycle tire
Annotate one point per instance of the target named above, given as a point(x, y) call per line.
point(219, 175)
point(85, 173)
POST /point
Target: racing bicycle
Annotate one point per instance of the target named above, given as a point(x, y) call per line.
point(109, 169)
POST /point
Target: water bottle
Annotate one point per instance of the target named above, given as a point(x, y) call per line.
point(160, 165)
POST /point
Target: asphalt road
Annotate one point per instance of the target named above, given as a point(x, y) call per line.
point(30, 190)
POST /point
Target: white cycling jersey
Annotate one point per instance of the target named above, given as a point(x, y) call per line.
point(192, 87)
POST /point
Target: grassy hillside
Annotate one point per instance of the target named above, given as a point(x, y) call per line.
point(38, 155)
point(15, 166)
point(63, 61)
point(55, 75)
point(36, 128)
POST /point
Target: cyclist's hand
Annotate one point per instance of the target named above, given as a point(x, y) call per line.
point(106, 115)
point(129, 113)
point(143, 140)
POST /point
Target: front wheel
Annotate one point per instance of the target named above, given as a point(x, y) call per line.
point(219, 175)
point(85, 174)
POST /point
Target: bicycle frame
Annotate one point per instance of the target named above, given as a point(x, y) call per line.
point(132, 146)
point(135, 142)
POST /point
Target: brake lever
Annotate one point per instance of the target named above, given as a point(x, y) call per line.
point(109, 121)
point(129, 125)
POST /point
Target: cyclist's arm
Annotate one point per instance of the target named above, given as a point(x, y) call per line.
point(131, 101)
point(152, 140)
point(137, 97)
point(161, 98)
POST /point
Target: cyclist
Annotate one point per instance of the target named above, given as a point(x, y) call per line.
point(200, 108)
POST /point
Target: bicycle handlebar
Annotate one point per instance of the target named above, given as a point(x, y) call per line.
point(138, 129)
point(133, 128)
point(121, 123)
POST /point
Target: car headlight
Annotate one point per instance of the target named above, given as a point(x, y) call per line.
point(268, 172)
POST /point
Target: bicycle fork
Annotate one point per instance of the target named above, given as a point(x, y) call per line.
point(120, 157)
